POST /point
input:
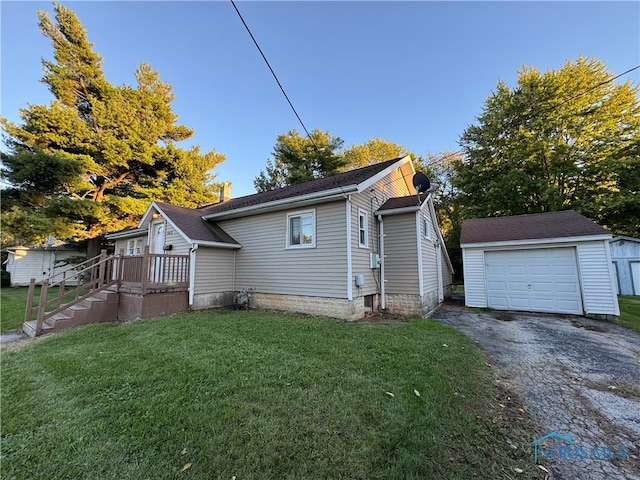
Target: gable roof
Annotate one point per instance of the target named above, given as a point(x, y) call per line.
point(552, 225)
point(342, 183)
point(189, 222)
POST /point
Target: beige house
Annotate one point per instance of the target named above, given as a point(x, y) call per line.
point(336, 246)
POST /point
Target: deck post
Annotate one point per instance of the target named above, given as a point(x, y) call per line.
point(102, 268)
point(42, 305)
point(145, 269)
point(30, 294)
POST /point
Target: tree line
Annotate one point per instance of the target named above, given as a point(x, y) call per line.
point(91, 161)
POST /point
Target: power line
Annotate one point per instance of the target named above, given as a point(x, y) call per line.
point(274, 74)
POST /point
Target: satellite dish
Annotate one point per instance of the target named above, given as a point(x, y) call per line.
point(421, 182)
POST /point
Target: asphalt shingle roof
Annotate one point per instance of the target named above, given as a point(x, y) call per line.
point(341, 180)
point(189, 221)
point(402, 202)
point(567, 223)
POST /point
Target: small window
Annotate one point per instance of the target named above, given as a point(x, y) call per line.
point(301, 229)
point(363, 228)
point(427, 228)
point(134, 247)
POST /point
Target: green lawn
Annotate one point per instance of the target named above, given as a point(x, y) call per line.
point(629, 311)
point(258, 395)
point(12, 304)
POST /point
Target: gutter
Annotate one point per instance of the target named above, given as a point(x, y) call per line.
point(327, 195)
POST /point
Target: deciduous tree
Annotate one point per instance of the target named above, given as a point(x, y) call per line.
point(297, 159)
point(565, 138)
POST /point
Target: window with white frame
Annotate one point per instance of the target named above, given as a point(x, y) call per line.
point(301, 229)
point(134, 247)
point(427, 228)
point(363, 228)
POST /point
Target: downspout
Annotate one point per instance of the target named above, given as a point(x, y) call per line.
point(233, 281)
point(383, 298)
point(349, 265)
point(192, 272)
point(419, 245)
point(439, 267)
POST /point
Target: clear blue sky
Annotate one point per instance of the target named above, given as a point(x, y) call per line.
point(414, 73)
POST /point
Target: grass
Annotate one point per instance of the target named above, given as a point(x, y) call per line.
point(12, 304)
point(258, 395)
point(629, 311)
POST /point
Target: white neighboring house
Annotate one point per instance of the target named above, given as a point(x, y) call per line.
point(625, 255)
point(557, 262)
point(25, 263)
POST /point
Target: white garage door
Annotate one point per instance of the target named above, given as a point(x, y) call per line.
point(537, 280)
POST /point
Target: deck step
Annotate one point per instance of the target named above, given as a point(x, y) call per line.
point(29, 328)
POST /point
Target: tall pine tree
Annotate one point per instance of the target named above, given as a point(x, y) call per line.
point(91, 161)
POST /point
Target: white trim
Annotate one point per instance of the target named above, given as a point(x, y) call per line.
point(383, 298)
point(434, 219)
point(192, 272)
point(234, 246)
point(301, 214)
point(439, 267)
point(134, 232)
point(380, 175)
point(362, 212)
point(349, 253)
point(613, 278)
point(537, 241)
point(419, 245)
point(428, 227)
point(290, 202)
point(312, 198)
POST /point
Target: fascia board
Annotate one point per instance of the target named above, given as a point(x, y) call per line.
point(293, 202)
point(432, 210)
point(380, 175)
point(536, 242)
point(153, 205)
point(166, 218)
point(398, 211)
point(128, 234)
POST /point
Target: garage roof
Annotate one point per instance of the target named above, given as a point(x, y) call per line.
point(567, 223)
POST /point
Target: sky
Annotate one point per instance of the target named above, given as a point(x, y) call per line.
point(413, 73)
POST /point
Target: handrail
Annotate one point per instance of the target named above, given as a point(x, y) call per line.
point(148, 271)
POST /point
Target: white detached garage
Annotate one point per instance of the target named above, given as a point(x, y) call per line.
point(556, 262)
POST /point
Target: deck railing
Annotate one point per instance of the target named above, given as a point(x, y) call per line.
point(142, 273)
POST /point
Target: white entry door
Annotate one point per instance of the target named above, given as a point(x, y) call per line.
point(535, 280)
point(157, 247)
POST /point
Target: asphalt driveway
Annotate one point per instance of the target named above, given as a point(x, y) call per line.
point(574, 375)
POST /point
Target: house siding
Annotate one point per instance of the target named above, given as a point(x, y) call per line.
point(25, 264)
point(624, 252)
point(597, 277)
point(475, 294)
point(360, 257)
point(179, 245)
point(265, 264)
point(213, 277)
point(400, 254)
